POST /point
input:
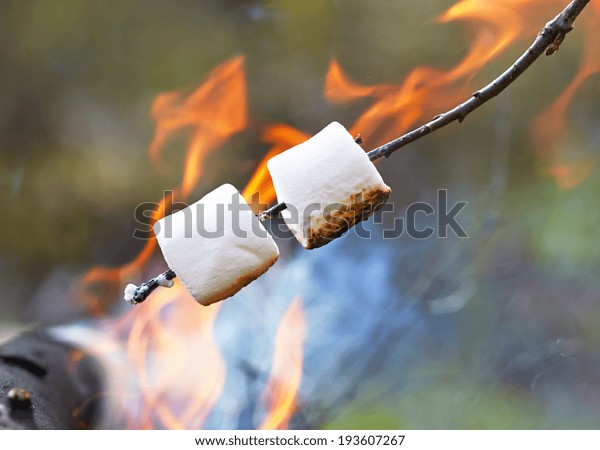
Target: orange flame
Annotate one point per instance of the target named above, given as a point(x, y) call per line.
point(161, 339)
point(286, 373)
point(493, 25)
point(569, 166)
point(170, 340)
point(178, 365)
point(340, 89)
point(281, 137)
point(112, 277)
point(426, 91)
point(212, 113)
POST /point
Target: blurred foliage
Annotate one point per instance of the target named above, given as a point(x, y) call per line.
point(569, 224)
point(452, 407)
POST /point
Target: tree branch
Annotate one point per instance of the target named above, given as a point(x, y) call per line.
point(547, 41)
point(137, 294)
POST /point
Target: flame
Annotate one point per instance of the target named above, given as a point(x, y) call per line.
point(170, 341)
point(112, 277)
point(281, 137)
point(494, 27)
point(177, 362)
point(212, 113)
point(568, 166)
point(178, 392)
point(177, 365)
point(426, 91)
point(286, 373)
point(340, 89)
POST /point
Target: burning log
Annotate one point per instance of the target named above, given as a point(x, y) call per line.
point(547, 41)
point(46, 384)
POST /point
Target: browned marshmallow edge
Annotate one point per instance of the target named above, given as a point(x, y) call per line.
point(354, 209)
point(237, 285)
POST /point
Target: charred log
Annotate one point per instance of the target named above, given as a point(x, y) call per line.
point(47, 384)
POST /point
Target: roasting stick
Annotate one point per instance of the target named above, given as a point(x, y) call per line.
point(547, 41)
point(137, 294)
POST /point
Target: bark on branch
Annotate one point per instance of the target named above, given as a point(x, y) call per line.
point(548, 41)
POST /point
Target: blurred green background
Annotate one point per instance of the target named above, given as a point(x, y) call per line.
point(77, 79)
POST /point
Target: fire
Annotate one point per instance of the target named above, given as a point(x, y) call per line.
point(170, 342)
point(211, 114)
point(177, 362)
point(281, 137)
point(112, 277)
point(168, 337)
point(426, 91)
point(286, 373)
point(340, 89)
point(178, 393)
point(178, 368)
point(568, 166)
point(494, 27)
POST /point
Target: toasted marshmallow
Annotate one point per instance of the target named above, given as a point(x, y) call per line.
point(328, 184)
point(216, 246)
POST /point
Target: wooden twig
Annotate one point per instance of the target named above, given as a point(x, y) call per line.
point(547, 41)
point(137, 294)
point(271, 212)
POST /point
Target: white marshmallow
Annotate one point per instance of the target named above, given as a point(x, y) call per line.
point(334, 172)
point(129, 292)
point(213, 268)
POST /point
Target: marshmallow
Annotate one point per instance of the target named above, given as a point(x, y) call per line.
point(216, 246)
point(328, 183)
point(129, 293)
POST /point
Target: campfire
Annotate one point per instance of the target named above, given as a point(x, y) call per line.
point(301, 335)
